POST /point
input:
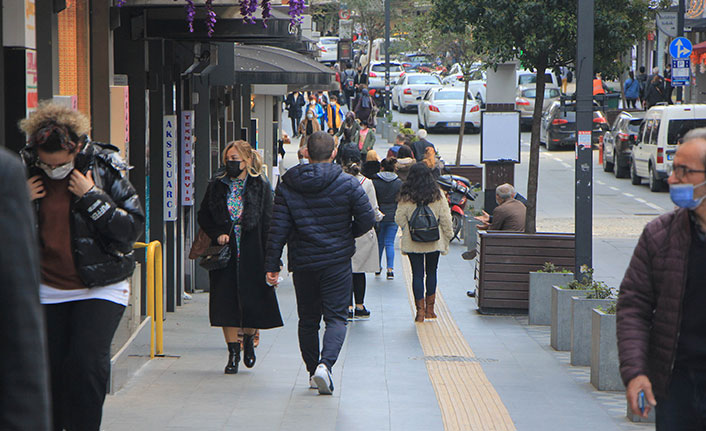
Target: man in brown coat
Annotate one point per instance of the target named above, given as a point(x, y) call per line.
point(509, 215)
point(661, 324)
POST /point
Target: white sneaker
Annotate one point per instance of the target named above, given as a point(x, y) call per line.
point(324, 382)
point(312, 383)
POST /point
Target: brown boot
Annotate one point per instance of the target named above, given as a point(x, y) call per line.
point(429, 312)
point(420, 310)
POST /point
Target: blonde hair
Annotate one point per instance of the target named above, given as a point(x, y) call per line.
point(49, 112)
point(372, 156)
point(252, 159)
point(430, 157)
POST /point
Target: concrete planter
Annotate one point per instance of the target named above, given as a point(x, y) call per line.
point(605, 368)
point(561, 317)
point(581, 309)
point(540, 294)
point(391, 137)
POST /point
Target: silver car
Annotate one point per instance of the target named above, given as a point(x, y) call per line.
point(442, 108)
point(376, 75)
point(411, 87)
point(526, 95)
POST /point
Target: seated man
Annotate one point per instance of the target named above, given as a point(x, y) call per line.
point(509, 215)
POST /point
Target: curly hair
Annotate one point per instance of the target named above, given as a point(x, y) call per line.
point(51, 113)
point(420, 188)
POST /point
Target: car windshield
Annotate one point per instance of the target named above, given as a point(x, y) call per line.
point(450, 95)
point(634, 125)
point(424, 79)
point(548, 93)
point(381, 68)
point(531, 78)
point(678, 128)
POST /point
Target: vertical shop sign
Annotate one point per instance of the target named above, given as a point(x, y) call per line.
point(31, 81)
point(170, 168)
point(187, 158)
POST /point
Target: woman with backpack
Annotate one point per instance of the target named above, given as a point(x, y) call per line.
point(363, 106)
point(424, 217)
point(632, 90)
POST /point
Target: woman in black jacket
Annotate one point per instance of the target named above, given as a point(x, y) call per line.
point(88, 219)
point(236, 210)
point(387, 187)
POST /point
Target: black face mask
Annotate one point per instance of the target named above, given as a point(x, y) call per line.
point(233, 168)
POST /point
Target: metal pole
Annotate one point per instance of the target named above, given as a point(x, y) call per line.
point(387, 55)
point(584, 123)
point(680, 33)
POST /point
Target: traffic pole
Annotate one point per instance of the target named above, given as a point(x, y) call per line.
point(387, 56)
point(680, 33)
point(583, 207)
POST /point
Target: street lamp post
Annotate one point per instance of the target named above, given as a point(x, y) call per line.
point(387, 55)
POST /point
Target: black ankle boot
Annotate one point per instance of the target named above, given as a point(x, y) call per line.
point(233, 358)
point(249, 350)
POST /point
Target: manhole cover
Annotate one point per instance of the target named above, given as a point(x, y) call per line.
point(452, 358)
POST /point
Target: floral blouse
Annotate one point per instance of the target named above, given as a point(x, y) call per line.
point(235, 207)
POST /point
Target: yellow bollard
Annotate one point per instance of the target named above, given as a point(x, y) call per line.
point(155, 299)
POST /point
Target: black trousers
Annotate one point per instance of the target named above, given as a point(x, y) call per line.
point(79, 334)
point(359, 287)
point(324, 292)
point(684, 408)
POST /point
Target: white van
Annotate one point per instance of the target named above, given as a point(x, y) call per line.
point(525, 77)
point(657, 140)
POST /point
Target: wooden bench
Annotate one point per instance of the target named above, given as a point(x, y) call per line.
point(472, 172)
point(505, 260)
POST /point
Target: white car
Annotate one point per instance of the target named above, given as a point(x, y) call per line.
point(411, 87)
point(476, 85)
point(376, 74)
point(663, 127)
point(328, 49)
point(525, 77)
point(442, 107)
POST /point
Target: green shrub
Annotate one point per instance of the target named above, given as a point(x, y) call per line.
point(599, 290)
point(610, 308)
point(550, 268)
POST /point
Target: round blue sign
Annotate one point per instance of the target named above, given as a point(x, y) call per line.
point(680, 48)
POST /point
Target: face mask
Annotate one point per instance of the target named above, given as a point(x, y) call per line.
point(233, 168)
point(303, 161)
point(683, 195)
point(60, 172)
point(309, 116)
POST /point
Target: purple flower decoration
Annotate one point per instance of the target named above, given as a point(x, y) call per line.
point(190, 13)
point(211, 20)
point(247, 9)
point(266, 11)
point(296, 10)
point(121, 3)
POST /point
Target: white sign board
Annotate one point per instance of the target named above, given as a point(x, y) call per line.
point(500, 137)
point(667, 23)
point(187, 158)
point(19, 24)
point(169, 159)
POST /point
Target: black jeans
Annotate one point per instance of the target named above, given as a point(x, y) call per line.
point(359, 287)
point(423, 263)
point(324, 292)
point(684, 409)
point(295, 126)
point(79, 335)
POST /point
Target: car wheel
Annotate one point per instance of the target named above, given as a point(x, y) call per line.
point(656, 184)
point(619, 171)
point(551, 146)
point(400, 106)
point(635, 180)
point(457, 221)
point(607, 166)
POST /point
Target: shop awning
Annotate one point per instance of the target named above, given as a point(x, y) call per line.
point(257, 64)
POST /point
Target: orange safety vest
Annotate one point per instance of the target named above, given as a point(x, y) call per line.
point(598, 87)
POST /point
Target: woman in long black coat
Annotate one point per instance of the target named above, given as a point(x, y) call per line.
point(236, 210)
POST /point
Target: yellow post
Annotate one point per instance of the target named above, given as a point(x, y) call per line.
point(154, 295)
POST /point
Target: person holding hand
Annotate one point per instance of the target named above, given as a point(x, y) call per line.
point(89, 217)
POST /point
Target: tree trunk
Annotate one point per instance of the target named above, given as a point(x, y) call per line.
point(463, 121)
point(533, 174)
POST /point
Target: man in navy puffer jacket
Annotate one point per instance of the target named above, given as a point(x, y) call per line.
point(318, 212)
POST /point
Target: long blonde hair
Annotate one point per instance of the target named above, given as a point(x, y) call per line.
point(252, 159)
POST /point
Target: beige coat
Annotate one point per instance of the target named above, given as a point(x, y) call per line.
point(440, 208)
point(367, 255)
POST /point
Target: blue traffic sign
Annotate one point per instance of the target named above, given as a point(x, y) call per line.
point(680, 48)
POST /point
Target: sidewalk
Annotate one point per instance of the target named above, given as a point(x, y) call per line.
point(463, 371)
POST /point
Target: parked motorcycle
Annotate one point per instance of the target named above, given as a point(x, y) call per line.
point(458, 192)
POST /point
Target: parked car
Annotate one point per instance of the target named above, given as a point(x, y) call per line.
point(411, 87)
point(656, 145)
point(524, 101)
point(442, 108)
point(328, 49)
point(413, 62)
point(618, 143)
point(558, 126)
point(376, 75)
point(525, 77)
point(476, 83)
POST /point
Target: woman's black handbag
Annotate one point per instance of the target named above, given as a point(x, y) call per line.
point(215, 257)
point(424, 226)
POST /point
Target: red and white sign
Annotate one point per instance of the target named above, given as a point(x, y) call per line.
point(31, 80)
point(187, 158)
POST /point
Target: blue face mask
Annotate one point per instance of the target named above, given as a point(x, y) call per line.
point(683, 195)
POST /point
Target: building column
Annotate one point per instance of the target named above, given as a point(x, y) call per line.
point(101, 55)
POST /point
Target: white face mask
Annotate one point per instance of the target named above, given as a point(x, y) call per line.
point(309, 116)
point(304, 161)
point(58, 173)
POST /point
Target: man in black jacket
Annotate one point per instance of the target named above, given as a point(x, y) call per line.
point(318, 212)
point(24, 376)
point(419, 147)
